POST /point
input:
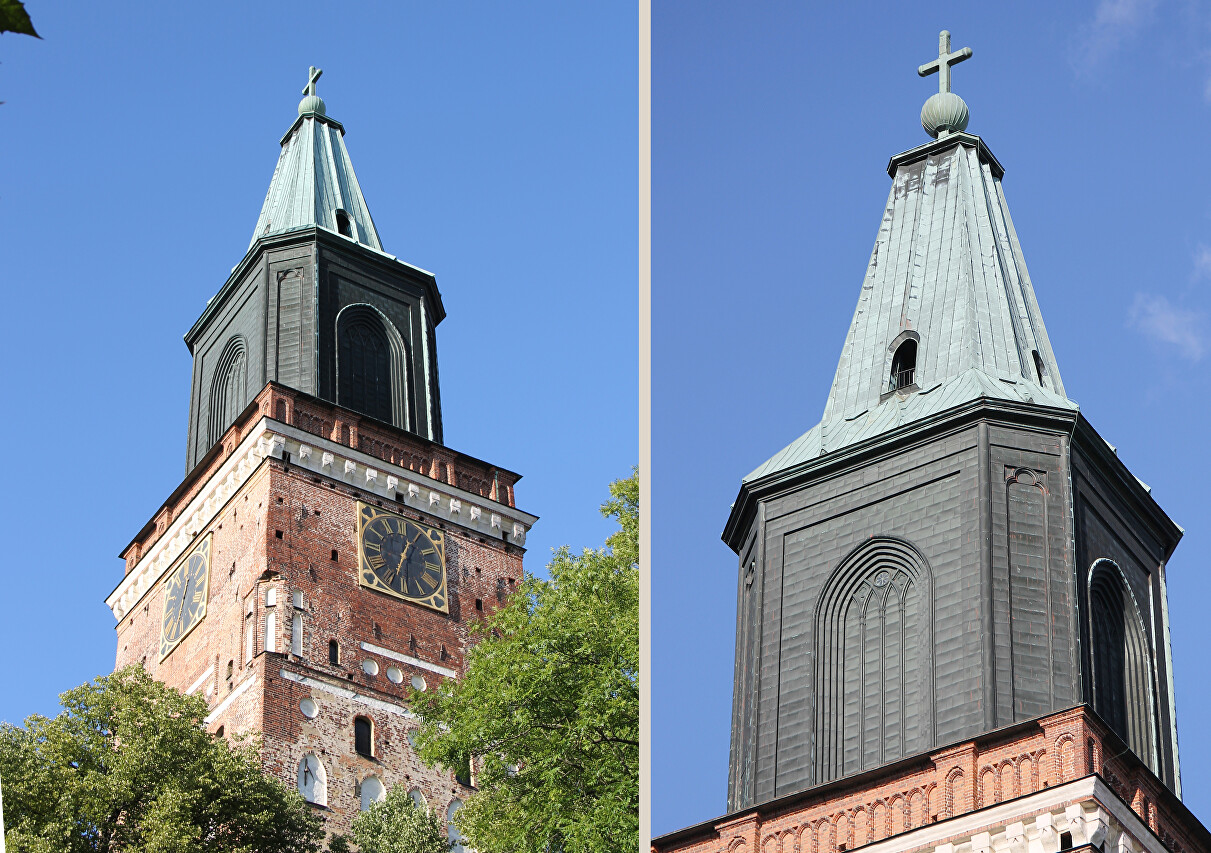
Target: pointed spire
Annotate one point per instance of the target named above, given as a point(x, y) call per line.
point(947, 313)
point(313, 184)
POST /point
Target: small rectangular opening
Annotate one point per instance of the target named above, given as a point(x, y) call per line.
point(1065, 840)
point(479, 604)
point(277, 534)
point(333, 553)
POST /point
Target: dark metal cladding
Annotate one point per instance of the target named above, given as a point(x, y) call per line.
point(280, 317)
point(952, 549)
point(934, 585)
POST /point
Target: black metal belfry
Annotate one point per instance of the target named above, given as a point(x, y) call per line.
point(953, 549)
point(316, 304)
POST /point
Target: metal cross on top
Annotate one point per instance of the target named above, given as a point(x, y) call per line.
point(942, 63)
point(314, 74)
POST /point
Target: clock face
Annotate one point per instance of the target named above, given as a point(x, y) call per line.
point(401, 558)
point(185, 594)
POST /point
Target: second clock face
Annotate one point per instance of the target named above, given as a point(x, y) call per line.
point(401, 558)
point(185, 597)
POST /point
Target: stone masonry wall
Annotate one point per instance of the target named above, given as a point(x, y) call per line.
point(285, 545)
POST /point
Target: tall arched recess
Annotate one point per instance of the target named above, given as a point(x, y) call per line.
point(228, 388)
point(372, 366)
point(1122, 660)
point(874, 661)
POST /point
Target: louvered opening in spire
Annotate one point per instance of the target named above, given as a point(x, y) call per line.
point(314, 185)
point(946, 312)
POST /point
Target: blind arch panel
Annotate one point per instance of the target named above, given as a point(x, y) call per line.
point(873, 650)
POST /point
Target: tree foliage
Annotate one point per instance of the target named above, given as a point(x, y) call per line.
point(14, 19)
point(549, 706)
point(398, 825)
point(129, 766)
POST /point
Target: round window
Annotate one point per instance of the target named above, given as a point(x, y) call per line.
point(309, 708)
point(370, 667)
point(394, 674)
point(418, 683)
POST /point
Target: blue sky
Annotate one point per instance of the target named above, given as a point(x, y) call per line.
point(772, 127)
point(496, 146)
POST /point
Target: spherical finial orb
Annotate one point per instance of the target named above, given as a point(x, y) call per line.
point(944, 111)
point(311, 104)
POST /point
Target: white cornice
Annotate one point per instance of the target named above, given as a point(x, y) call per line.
point(231, 697)
point(326, 458)
point(347, 693)
point(1086, 807)
point(408, 659)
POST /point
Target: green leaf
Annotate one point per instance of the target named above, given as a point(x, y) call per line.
point(549, 705)
point(14, 19)
point(129, 765)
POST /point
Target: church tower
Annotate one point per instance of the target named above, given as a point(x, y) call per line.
point(325, 552)
point(952, 631)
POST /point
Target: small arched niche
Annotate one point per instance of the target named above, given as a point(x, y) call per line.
point(373, 791)
point(904, 365)
point(313, 780)
point(344, 225)
point(1040, 369)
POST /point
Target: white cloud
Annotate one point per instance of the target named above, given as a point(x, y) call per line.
point(1168, 324)
point(1113, 22)
point(1202, 261)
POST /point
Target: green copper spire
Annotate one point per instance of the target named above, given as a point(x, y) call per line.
point(314, 185)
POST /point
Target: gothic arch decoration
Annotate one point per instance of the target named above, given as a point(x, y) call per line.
point(313, 780)
point(874, 662)
point(228, 388)
point(372, 361)
point(372, 791)
point(954, 790)
point(453, 835)
point(1122, 659)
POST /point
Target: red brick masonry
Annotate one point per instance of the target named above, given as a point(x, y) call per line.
point(996, 767)
point(336, 424)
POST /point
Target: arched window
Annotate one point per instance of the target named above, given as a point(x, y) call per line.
point(370, 365)
point(228, 388)
point(313, 780)
point(1122, 660)
point(363, 736)
point(1039, 370)
point(873, 673)
point(904, 366)
point(342, 224)
point(372, 792)
point(456, 837)
point(334, 653)
point(418, 798)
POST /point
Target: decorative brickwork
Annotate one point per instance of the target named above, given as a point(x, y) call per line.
point(283, 588)
point(1000, 767)
point(314, 416)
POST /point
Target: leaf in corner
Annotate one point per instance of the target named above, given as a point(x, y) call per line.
point(14, 19)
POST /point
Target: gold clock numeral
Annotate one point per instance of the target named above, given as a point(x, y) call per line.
point(185, 597)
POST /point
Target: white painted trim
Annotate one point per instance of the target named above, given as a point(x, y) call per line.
point(1078, 806)
point(416, 486)
point(231, 697)
point(346, 693)
point(272, 438)
point(194, 687)
point(190, 522)
point(408, 659)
